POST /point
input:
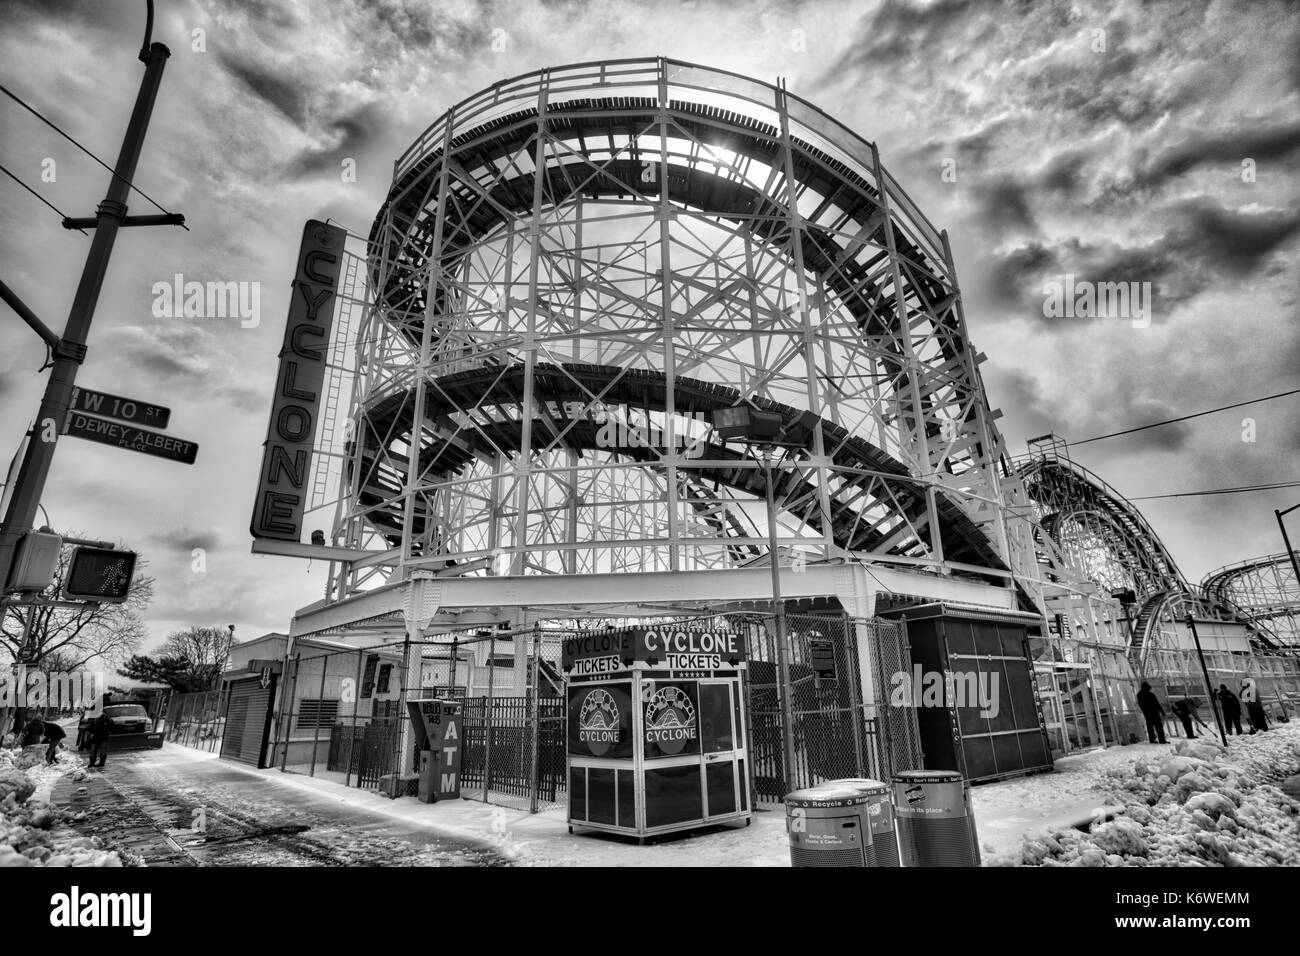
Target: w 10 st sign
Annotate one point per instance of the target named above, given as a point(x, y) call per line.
point(286, 454)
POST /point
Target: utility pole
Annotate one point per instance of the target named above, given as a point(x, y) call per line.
point(783, 680)
point(1286, 540)
point(1205, 673)
point(69, 350)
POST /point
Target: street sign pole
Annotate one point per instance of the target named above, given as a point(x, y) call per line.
point(70, 350)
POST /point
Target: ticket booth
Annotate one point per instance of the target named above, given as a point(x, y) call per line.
point(656, 729)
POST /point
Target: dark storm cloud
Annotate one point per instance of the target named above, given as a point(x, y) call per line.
point(354, 133)
point(1226, 148)
point(1007, 206)
point(1063, 174)
point(1232, 242)
point(164, 364)
point(283, 92)
point(898, 31)
point(1204, 245)
point(1017, 389)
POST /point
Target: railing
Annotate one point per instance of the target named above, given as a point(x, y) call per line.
point(647, 74)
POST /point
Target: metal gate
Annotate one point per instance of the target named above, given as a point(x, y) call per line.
point(840, 728)
point(248, 721)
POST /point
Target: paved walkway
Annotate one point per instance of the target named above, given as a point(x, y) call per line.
point(122, 824)
point(175, 807)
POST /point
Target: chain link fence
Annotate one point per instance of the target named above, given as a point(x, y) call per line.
point(197, 720)
point(841, 726)
point(342, 711)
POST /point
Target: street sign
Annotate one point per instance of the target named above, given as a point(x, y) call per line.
point(132, 438)
point(123, 409)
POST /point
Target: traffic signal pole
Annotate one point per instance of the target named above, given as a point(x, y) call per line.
point(69, 351)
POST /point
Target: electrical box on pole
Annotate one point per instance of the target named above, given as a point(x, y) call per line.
point(102, 575)
point(37, 558)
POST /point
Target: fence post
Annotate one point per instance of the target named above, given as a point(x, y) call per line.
point(451, 677)
point(487, 723)
point(857, 713)
point(533, 709)
point(320, 697)
point(284, 749)
point(750, 748)
point(352, 733)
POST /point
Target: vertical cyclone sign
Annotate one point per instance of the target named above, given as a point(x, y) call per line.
point(286, 455)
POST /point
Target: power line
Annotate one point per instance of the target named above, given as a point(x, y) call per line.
point(7, 172)
point(1170, 421)
point(1223, 491)
point(52, 125)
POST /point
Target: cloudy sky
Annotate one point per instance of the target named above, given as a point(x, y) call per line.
point(1103, 140)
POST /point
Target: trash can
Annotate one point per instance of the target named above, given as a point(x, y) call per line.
point(828, 826)
point(935, 824)
point(883, 850)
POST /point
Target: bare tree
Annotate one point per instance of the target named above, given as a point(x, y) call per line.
point(76, 635)
point(205, 649)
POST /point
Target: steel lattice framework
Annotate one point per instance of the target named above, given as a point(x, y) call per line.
point(1096, 529)
point(1086, 530)
point(1262, 590)
point(574, 268)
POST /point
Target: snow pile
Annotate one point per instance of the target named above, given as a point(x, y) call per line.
point(35, 832)
point(1202, 805)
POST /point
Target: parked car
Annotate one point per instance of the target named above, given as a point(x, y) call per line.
point(131, 727)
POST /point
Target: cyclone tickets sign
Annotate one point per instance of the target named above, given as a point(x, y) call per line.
point(666, 646)
point(688, 649)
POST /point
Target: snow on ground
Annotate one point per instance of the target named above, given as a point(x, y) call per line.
point(543, 839)
point(33, 832)
point(1190, 803)
point(1194, 803)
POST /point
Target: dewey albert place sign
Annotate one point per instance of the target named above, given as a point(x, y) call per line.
point(129, 436)
point(286, 454)
point(690, 649)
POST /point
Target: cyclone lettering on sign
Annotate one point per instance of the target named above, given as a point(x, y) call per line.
point(670, 720)
point(598, 722)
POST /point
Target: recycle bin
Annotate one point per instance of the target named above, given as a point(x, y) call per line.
point(884, 841)
point(935, 823)
point(829, 826)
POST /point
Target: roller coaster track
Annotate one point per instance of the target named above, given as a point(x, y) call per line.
point(1262, 591)
point(535, 148)
point(492, 396)
point(1069, 493)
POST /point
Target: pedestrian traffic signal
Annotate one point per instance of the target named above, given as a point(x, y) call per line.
point(102, 575)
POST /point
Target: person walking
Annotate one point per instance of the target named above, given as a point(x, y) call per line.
point(54, 735)
point(100, 731)
point(1153, 714)
point(1183, 711)
point(1231, 710)
point(1254, 709)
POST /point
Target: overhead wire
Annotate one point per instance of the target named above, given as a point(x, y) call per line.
point(1183, 418)
point(56, 209)
point(68, 136)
